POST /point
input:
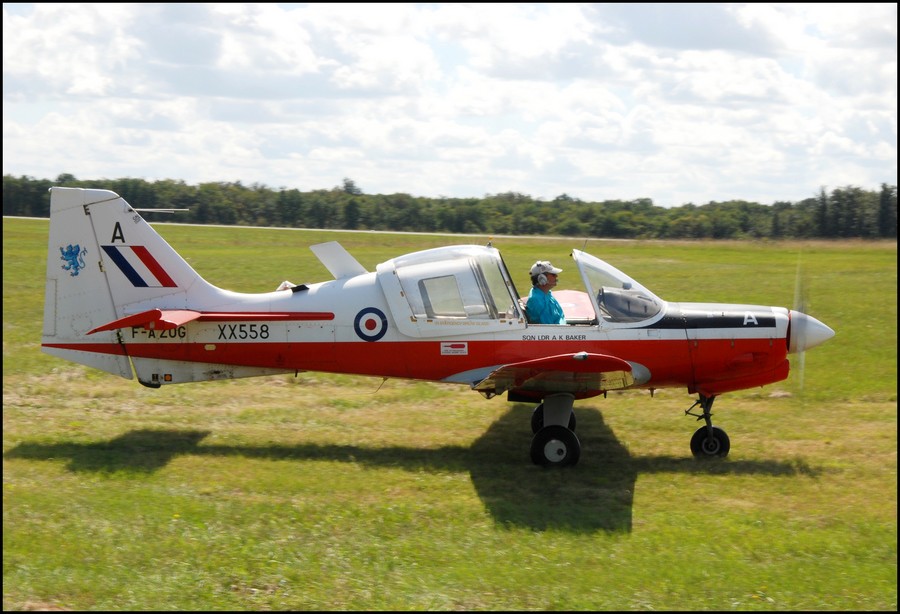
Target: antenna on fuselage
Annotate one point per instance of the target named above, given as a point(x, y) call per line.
point(160, 210)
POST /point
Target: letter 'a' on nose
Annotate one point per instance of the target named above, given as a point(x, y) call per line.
point(807, 332)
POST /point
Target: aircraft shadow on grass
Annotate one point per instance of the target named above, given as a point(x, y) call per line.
point(595, 495)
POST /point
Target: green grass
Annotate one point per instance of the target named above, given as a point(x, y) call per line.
point(336, 492)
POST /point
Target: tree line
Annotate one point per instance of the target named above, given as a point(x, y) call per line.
point(845, 212)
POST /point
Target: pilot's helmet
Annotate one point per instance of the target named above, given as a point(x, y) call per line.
point(542, 267)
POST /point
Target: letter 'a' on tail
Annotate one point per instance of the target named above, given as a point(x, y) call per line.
point(104, 262)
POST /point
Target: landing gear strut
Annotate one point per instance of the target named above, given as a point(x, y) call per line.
point(537, 419)
point(555, 445)
point(708, 441)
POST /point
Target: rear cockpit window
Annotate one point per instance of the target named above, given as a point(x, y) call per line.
point(441, 297)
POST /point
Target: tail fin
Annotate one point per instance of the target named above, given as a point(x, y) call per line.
point(104, 263)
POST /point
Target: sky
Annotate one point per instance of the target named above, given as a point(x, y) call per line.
point(678, 103)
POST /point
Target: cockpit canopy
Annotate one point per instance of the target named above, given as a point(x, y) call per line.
point(456, 282)
point(449, 291)
point(618, 297)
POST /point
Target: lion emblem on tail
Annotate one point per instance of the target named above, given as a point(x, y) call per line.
point(73, 256)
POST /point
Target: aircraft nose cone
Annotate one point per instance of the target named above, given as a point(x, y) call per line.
point(807, 332)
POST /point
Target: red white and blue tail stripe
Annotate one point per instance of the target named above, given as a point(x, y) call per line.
point(139, 266)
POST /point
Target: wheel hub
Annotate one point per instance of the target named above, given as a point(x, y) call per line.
point(555, 451)
point(711, 445)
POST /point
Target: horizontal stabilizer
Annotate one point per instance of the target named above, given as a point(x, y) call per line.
point(154, 319)
point(166, 319)
point(575, 373)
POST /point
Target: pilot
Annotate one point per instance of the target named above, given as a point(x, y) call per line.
point(542, 307)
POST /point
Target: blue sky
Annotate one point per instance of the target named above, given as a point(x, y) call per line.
point(674, 102)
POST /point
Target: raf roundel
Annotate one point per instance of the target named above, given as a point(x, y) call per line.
point(370, 324)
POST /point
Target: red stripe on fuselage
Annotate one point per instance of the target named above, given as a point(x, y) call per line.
point(408, 359)
point(265, 316)
point(668, 361)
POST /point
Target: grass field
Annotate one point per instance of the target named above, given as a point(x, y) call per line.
point(333, 492)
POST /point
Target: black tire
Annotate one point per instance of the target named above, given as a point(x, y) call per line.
point(555, 446)
point(537, 419)
point(704, 446)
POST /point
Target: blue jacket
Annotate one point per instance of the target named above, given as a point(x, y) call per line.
point(543, 308)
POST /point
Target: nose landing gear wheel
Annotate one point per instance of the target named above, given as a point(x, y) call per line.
point(555, 446)
point(709, 445)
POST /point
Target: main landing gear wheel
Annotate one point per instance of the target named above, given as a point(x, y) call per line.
point(537, 419)
point(710, 442)
point(555, 446)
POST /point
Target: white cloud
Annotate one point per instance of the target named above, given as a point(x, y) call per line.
point(678, 103)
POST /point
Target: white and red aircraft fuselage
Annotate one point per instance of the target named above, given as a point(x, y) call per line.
point(120, 299)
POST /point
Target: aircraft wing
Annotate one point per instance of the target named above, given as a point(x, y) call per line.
point(578, 373)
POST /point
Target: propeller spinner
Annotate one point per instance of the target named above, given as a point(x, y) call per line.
point(807, 332)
